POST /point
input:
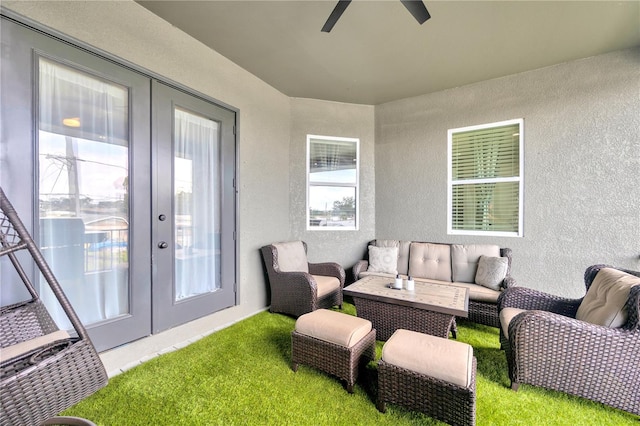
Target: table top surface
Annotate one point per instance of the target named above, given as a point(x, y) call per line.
point(443, 298)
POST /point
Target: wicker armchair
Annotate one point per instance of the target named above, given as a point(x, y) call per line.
point(302, 288)
point(548, 347)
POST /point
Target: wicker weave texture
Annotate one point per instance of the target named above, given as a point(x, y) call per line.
point(51, 385)
point(388, 317)
point(38, 384)
point(548, 347)
point(296, 293)
point(439, 399)
point(333, 359)
point(24, 321)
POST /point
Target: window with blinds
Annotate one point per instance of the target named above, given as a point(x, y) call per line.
point(332, 183)
point(485, 179)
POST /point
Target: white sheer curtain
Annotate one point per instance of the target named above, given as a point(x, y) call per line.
point(197, 206)
point(83, 124)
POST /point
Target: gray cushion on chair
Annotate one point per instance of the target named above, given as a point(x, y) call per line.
point(292, 257)
point(604, 303)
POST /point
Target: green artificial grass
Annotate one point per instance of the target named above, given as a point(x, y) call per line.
point(241, 375)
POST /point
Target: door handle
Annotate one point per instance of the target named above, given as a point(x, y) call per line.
point(163, 245)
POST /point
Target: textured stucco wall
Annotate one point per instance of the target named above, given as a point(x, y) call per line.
point(323, 118)
point(128, 31)
point(581, 166)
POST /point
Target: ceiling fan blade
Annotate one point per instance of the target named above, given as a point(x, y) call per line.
point(335, 15)
point(417, 9)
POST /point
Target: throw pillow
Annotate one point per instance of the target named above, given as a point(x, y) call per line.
point(491, 271)
point(605, 301)
point(383, 259)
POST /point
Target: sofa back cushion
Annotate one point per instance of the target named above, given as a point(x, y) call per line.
point(605, 301)
point(292, 257)
point(403, 253)
point(431, 261)
point(465, 257)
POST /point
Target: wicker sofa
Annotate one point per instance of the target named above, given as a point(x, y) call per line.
point(456, 264)
point(588, 347)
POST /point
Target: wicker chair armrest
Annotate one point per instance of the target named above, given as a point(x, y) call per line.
point(296, 281)
point(554, 331)
point(508, 282)
point(530, 299)
point(359, 267)
point(328, 269)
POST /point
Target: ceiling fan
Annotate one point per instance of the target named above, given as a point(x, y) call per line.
point(415, 7)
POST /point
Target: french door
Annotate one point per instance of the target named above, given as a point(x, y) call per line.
point(193, 208)
point(132, 203)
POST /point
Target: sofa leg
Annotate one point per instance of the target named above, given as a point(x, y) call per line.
point(514, 386)
point(294, 367)
point(349, 387)
point(381, 406)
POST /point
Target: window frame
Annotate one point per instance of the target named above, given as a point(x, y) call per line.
point(319, 138)
point(519, 179)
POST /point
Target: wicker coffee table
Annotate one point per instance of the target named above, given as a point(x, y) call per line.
point(431, 308)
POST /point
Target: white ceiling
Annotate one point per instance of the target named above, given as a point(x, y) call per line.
point(378, 53)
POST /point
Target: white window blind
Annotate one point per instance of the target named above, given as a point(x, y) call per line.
point(485, 184)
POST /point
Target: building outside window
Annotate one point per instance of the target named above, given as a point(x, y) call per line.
point(485, 179)
point(332, 183)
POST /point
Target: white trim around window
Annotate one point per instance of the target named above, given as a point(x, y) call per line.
point(486, 179)
point(333, 179)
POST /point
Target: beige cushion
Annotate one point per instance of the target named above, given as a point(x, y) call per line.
point(326, 284)
point(491, 271)
point(335, 327)
point(480, 293)
point(465, 257)
point(292, 257)
point(21, 348)
point(403, 253)
point(604, 303)
point(433, 356)
point(431, 261)
point(506, 315)
point(383, 259)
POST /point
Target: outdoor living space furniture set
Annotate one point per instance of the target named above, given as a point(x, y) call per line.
point(587, 347)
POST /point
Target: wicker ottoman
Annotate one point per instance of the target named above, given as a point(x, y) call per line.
point(429, 374)
point(333, 342)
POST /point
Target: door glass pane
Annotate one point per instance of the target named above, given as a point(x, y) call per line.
point(83, 144)
point(196, 184)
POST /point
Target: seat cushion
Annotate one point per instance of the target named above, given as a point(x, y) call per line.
point(335, 327)
point(383, 259)
point(326, 284)
point(506, 315)
point(465, 257)
point(27, 346)
point(431, 261)
point(432, 356)
point(604, 303)
point(292, 257)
